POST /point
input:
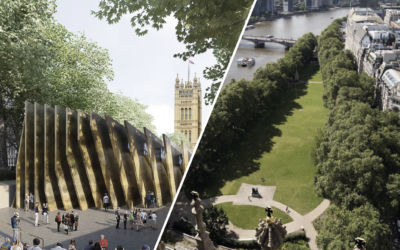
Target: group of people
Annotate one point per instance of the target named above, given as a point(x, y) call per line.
point(69, 220)
point(102, 244)
point(150, 201)
point(137, 217)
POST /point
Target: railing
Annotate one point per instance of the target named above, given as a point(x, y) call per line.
point(22, 232)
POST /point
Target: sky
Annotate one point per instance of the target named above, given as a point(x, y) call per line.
point(144, 67)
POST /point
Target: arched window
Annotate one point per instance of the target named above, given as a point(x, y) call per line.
point(190, 114)
point(190, 136)
point(186, 114)
point(181, 114)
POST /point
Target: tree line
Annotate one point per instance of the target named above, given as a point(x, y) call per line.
point(41, 61)
point(239, 105)
point(358, 153)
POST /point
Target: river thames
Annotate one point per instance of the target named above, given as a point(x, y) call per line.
point(285, 27)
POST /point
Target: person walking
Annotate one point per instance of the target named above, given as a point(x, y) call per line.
point(76, 217)
point(37, 214)
point(149, 219)
point(14, 226)
point(44, 213)
point(58, 220)
point(27, 203)
point(72, 222)
point(138, 221)
point(66, 219)
point(125, 218)
point(144, 218)
point(131, 219)
point(154, 218)
point(118, 217)
point(148, 199)
point(103, 242)
point(106, 202)
point(153, 203)
point(47, 209)
point(31, 200)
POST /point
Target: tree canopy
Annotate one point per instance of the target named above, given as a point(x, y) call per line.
point(202, 25)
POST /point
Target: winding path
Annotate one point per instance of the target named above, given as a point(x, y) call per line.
point(242, 198)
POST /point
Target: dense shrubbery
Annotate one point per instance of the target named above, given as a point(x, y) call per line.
point(239, 105)
point(184, 227)
point(358, 156)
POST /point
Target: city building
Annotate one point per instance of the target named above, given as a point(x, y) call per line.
point(287, 5)
point(263, 6)
point(317, 4)
point(368, 3)
point(188, 102)
point(391, 15)
point(388, 90)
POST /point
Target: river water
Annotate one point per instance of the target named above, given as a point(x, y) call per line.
point(289, 27)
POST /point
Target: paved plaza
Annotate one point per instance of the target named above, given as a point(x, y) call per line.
point(92, 224)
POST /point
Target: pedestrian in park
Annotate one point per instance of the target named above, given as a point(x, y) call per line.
point(76, 217)
point(125, 218)
point(145, 247)
point(148, 198)
point(90, 246)
point(131, 219)
point(154, 218)
point(37, 214)
point(36, 243)
point(27, 202)
point(58, 247)
point(17, 245)
point(72, 245)
point(118, 217)
point(44, 213)
point(58, 220)
point(103, 242)
point(106, 202)
point(97, 246)
point(72, 222)
point(31, 200)
point(6, 245)
point(14, 221)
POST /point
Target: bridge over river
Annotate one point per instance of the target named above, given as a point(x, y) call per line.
point(259, 41)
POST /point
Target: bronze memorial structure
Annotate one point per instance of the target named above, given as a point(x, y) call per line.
point(70, 159)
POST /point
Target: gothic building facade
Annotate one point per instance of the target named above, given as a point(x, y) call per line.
point(188, 102)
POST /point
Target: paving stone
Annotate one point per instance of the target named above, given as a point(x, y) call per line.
point(92, 223)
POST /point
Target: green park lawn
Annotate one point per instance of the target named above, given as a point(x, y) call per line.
point(289, 165)
point(247, 217)
point(311, 73)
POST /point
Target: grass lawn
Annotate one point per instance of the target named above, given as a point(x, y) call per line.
point(289, 165)
point(247, 217)
point(311, 73)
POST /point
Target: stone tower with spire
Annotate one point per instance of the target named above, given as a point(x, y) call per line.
point(188, 101)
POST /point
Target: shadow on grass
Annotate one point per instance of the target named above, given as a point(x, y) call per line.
point(239, 159)
point(308, 72)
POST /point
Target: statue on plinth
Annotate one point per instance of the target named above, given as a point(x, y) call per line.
point(202, 237)
point(360, 244)
point(270, 232)
point(161, 246)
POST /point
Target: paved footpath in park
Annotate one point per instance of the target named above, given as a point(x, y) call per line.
point(243, 197)
point(92, 223)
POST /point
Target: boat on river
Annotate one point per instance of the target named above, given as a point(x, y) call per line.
point(246, 61)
